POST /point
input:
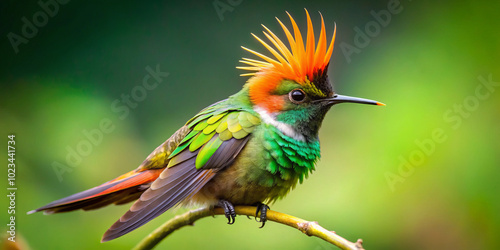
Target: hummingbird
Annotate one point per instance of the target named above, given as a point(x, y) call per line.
point(249, 149)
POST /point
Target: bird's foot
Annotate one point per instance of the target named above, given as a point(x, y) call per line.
point(262, 208)
point(228, 211)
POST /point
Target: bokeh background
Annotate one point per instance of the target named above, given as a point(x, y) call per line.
point(425, 64)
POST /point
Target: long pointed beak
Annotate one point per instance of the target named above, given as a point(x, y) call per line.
point(343, 98)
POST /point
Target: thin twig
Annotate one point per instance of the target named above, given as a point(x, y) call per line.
point(310, 228)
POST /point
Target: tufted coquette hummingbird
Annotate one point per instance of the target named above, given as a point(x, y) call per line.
point(249, 149)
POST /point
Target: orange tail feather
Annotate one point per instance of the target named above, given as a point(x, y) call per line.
point(123, 189)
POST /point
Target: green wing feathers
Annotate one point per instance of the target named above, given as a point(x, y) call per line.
point(210, 131)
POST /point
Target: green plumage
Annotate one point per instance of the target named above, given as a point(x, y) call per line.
point(272, 160)
point(207, 151)
point(211, 127)
point(275, 160)
point(290, 158)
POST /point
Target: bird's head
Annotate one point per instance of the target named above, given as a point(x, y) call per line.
point(293, 91)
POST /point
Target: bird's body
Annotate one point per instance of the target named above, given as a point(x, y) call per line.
point(270, 164)
point(249, 149)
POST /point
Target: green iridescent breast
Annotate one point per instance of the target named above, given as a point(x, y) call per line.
point(289, 158)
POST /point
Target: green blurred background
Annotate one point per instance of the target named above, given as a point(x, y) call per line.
point(424, 64)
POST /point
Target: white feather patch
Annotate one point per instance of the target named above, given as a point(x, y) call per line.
point(281, 126)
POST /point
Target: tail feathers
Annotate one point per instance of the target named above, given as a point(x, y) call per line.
point(124, 189)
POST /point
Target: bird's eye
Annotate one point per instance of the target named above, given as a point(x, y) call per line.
point(297, 96)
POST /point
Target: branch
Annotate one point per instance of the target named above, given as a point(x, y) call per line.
point(310, 228)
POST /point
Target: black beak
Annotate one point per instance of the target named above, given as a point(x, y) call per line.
point(343, 98)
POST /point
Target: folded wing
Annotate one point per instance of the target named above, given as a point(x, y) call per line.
point(215, 141)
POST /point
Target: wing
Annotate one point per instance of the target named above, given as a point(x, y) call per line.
point(216, 138)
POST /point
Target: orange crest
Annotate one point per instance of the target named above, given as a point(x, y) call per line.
point(302, 63)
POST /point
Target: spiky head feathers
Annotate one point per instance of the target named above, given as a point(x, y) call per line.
point(302, 64)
